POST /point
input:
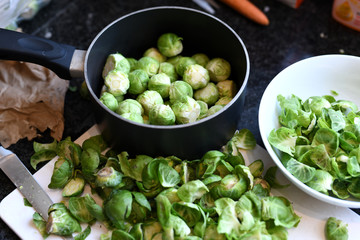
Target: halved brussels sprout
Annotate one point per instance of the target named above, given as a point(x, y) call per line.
point(60, 221)
point(335, 229)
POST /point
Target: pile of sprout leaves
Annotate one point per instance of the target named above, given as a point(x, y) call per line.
point(163, 87)
point(215, 197)
point(319, 139)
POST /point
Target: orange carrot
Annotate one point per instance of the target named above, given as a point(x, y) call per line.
point(249, 10)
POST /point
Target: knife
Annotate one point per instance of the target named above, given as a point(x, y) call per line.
point(25, 183)
point(205, 5)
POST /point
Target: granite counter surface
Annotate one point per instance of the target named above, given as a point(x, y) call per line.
point(293, 34)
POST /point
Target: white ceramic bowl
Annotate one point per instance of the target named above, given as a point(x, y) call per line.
point(315, 76)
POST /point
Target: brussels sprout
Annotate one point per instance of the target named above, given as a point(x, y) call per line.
point(196, 75)
point(186, 111)
point(133, 117)
point(203, 109)
point(174, 60)
point(62, 173)
point(149, 99)
point(117, 82)
point(161, 114)
point(179, 90)
point(74, 187)
point(183, 63)
point(169, 44)
point(214, 109)
point(60, 221)
point(223, 101)
point(108, 177)
point(161, 83)
point(133, 63)
point(201, 58)
point(335, 229)
point(154, 53)
point(354, 187)
point(130, 106)
point(138, 81)
point(116, 61)
point(208, 94)
point(149, 65)
point(219, 69)
point(227, 88)
point(118, 207)
point(168, 69)
point(109, 101)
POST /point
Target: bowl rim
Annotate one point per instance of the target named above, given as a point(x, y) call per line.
point(302, 186)
point(240, 91)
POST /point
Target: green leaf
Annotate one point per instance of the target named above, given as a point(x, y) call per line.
point(283, 139)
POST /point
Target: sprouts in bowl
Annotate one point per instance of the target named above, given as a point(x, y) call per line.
point(323, 93)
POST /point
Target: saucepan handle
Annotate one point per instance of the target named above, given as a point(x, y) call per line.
point(28, 48)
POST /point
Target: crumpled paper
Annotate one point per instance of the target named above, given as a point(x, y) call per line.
point(31, 100)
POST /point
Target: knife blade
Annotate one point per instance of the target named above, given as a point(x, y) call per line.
point(25, 183)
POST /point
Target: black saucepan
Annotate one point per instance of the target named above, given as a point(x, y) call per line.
point(131, 35)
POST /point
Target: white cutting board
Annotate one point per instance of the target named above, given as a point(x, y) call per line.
point(313, 212)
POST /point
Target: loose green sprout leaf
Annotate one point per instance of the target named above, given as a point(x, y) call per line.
point(119, 234)
point(336, 229)
point(74, 187)
point(94, 209)
point(321, 181)
point(270, 177)
point(40, 224)
point(168, 176)
point(118, 207)
point(78, 209)
point(301, 171)
point(192, 190)
point(45, 146)
point(42, 156)
point(244, 139)
point(280, 210)
point(257, 168)
point(283, 139)
point(84, 234)
point(61, 174)
point(133, 167)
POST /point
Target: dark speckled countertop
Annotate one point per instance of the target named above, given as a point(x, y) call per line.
point(293, 34)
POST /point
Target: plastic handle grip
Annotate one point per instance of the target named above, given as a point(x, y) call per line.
point(28, 48)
